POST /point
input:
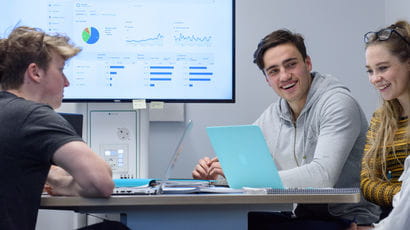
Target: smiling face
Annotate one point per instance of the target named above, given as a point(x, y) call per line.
point(288, 74)
point(388, 74)
point(53, 82)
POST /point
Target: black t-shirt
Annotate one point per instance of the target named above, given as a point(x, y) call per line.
point(30, 133)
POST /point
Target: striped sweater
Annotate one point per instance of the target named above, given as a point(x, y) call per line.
point(378, 190)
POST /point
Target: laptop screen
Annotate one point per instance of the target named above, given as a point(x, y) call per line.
point(178, 150)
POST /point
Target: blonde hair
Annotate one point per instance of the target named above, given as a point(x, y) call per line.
point(26, 45)
point(389, 112)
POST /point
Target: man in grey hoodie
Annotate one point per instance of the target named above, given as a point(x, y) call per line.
point(315, 132)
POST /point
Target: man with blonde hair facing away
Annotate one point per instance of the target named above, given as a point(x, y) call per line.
point(33, 136)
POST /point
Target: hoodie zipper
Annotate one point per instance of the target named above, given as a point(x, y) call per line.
point(294, 145)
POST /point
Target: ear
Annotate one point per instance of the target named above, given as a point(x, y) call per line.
point(33, 72)
point(308, 62)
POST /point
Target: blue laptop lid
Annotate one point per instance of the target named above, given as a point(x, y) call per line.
point(244, 156)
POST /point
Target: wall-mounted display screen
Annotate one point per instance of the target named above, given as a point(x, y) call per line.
point(168, 50)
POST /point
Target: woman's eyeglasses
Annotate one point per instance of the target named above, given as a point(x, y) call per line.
point(382, 35)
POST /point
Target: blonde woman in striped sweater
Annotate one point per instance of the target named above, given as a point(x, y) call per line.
point(388, 137)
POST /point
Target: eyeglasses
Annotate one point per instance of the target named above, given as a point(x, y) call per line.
point(382, 35)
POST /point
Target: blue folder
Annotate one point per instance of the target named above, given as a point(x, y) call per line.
point(139, 182)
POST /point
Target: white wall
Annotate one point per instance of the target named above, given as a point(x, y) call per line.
point(396, 10)
point(333, 31)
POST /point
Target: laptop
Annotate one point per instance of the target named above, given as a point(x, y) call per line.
point(178, 150)
point(131, 186)
point(244, 156)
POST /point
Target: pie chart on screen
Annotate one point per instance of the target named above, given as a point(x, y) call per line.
point(90, 35)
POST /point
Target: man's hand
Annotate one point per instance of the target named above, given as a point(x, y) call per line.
point(207, 169)
point(59, 182)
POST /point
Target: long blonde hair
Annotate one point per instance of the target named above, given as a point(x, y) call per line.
point(390, 111)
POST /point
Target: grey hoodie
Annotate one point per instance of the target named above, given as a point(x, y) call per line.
point(324, 146)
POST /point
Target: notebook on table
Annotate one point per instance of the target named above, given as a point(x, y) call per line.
point(244, 156)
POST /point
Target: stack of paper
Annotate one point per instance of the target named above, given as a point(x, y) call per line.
point(173, 186)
